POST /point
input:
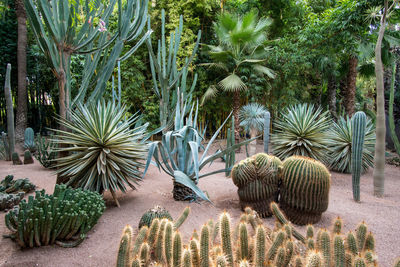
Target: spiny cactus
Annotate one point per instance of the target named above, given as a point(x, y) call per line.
point(304, 189)
point(28, 157)
point(9, 185)
point(257, 180)
point(15, 159)
point(10, 112)
point(156, 212)
point(45, 151)
point(359, 121)
point(7, 201)
point(29, 140)
point(267, 123)
point(63, 218)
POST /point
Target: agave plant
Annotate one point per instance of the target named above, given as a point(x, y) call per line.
point(104, 153)
point(178, 154)
point(339, 144)
point(301, 130)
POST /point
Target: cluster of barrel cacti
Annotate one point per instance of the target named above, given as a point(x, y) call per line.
point(302, 183)
point(63, 218)
point(9, 185)
point(257, 179)
point(7, 201)
point(248, 243)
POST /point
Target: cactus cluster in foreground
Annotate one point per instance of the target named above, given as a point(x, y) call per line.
point(9, 185)
point(248, 243)
point(7, 201)
point(63, 218)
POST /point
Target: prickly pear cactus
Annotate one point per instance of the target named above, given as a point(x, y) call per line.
point(257, 179)
point(156, 212)
point(28, 157)
point(304, 189)
point(63, 218)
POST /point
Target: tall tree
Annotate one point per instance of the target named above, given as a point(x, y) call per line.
point(22, 108)
point(241, 45)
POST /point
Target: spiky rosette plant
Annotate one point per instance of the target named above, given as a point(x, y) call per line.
point(104, 152)
point(301, 130)
point(339, 144)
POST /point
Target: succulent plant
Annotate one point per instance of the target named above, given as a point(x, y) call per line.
point(29, 140)
point(9, 185)
point(46, 151)
point(304, 189)
point(257, 179)
point(9, 143)
point(340, 145)
point(301, 130)
point(15, 159)
point(105, 153)
point(156, 212)
point(358, 126)
point(63, 218)
point(28, 157)
point(8, 201)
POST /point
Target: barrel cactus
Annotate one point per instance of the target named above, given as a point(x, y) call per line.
point(304, 189)
point(257, 180)
point(156, 212)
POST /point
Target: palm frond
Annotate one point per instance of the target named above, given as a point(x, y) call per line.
point(232, 83)
point(251, 116)
point(264, 70)
point(211, 92)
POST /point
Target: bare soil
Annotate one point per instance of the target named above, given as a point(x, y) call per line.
point(100, 248)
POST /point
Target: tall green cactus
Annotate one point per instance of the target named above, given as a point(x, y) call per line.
point(165, 73)
point(10, 112)
point(267, 123)
point(257, 179)
point(304, 189)
point(29, 139)
point(359, 121)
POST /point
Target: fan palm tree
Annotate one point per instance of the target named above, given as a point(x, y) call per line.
point(252, 118)
point(241, 45)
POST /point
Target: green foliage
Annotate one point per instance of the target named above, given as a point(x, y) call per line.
point(29, 140)
point(301, 130)
point(7, 201)
point(46, 151)
point(257, 179)
point(340, 145)
point(304, 206)
point(115, 150)
point(63, 218)
point(9, 185)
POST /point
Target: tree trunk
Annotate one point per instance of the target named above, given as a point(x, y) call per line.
point(379, 158)
point(236, 107)
point(22, 109)
point(332, 86)
point(253, 144)
point(350, 93)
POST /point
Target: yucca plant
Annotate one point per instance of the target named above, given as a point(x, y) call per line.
point(339, 144)
point(178, 154)
point(301, 130)
point(104, 153)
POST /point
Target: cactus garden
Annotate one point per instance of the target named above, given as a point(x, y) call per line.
point(212, 133)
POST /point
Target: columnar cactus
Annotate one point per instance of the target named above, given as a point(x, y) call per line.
point(63, 218)
point(10, 112)
point(359, 121)
point(257, 179)
point(29, 141)
point(151, 214)
point(267, 123)
point(304, 189)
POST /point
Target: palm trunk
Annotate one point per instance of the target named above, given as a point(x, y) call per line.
point(22, 109)
point(350, 92)
point(253, 144)
point(379, 159)
point(236, 107)
point(332, 96)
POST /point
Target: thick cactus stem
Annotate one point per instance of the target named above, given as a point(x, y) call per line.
point(226, 241)
point(359, 121)
point(10, 111)
point(267, 122)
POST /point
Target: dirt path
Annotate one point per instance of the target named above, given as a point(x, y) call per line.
point(100, 248)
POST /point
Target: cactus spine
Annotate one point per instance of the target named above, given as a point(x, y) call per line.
point(358, 124)
point(304, 190)
point(10, 111)
point(267, 122)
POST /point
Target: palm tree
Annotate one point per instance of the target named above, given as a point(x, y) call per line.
point(241, 45)
point(252, 118)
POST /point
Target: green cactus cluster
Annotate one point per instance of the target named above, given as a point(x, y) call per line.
point(9, 185)
point(28, 157)
point(304, 192)
point(45, 151)
point(257, 179)
point(29, 140)
point(63, 218)
point(156, 212)
point(7, 201)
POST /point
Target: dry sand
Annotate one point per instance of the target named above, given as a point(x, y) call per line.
point(100, 248)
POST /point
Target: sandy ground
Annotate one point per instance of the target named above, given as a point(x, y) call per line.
point(100, 248)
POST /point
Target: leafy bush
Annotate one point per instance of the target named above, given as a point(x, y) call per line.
point(339, 145)
point(301, 130)
point(63, 218)
point(104, 152)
